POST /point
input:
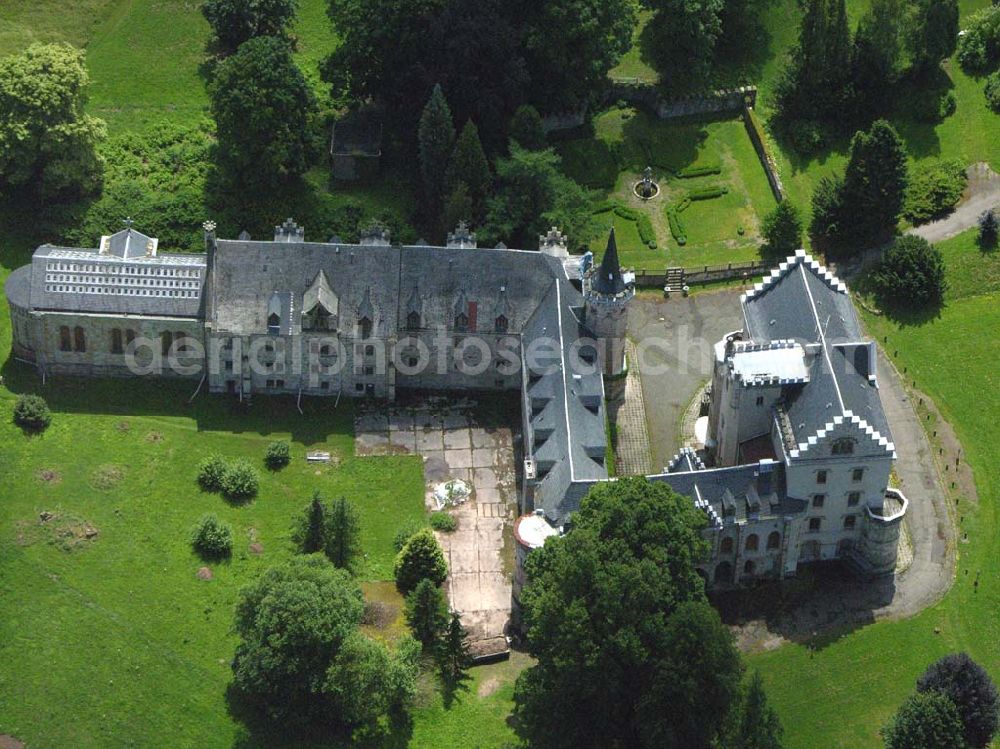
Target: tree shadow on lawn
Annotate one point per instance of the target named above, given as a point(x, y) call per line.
point(257, 732)
point(823, 603)
point(146, 396)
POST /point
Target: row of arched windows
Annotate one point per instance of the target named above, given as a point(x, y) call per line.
point(72, 340)
point(752, 542)
point(120, 341)
point(500, 324)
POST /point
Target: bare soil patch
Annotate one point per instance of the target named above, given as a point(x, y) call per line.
point(9, 742)
point(154, 437)
point(487, 687)
point(204, 573)
point(48, 476)
point(106, 477)
point(68, 532)
point(257, 548)
point(124, 427)
point(379, 614)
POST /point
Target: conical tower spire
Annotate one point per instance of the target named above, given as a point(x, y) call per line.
point(609, 279)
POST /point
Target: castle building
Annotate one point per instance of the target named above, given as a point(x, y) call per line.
point(798, 460)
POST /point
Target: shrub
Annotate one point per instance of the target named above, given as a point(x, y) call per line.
point(806, 136)
point(969, 687)
point(211, 471)
point(629, 214)
point(404, 534)
point(676, 225)
point(989, 229)
point(992, 91)
point(924, 721)
point(278, 455)
point(646, 233)
point(31, 413)
point(603, 207)
point(698, 171)
point(931, 106)
point(212, 538)
point(708, 193)
point(934, 189)
point(420, 559)
point(911, 274)
point(240, 480)
point(979, 45)
point(443, 521)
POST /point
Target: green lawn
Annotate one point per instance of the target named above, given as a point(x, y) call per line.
point(610, 156)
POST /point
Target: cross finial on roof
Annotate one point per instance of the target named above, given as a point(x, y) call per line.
point(128, 222)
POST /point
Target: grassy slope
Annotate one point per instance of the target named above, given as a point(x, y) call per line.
point(841, 692)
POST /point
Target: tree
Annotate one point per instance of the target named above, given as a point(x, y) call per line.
point(828, 209)
point(598, 609)
point(571, 45)
point(211, 472)
point(971, 690)
point(911, 274)
point(453, 654)
point(31, 413)
point(783, 229)
point(264, 110)
point(989, 229)
point(420, 559)
point(48, 145)
point(875, 55)
point(874, 183)
point(212, 538)
point(436, 136)
point(526, 129)
point(532, 195)
point(926, 720)
point(755, 724)
point(278, 455)
point(235, 21)
point(933, 33)
point(684, 33)
point(292, 622)
point(369, 685)
point(240, 480)
point(310, 533)
point(342, 535)
point(468, 165)
point(457, 207)
point(426, 613)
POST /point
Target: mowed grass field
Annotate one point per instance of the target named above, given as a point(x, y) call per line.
point(839, 692)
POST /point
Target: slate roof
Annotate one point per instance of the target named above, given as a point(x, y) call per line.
point(804, 302)
point(608, 279)
point(17, 287)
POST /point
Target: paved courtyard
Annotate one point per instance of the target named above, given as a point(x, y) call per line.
point(459, 440)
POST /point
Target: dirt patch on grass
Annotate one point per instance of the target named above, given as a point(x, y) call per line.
point(68, 532)
point(487, 687)
point(9, 742)
point(379, 614)
point(154, 438)
point(204, 573)
point(124, 427)
point(107, 477)
point(956, 474)
point(257, 548)
point(50, 477)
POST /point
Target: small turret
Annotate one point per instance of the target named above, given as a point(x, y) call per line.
point(606, 296)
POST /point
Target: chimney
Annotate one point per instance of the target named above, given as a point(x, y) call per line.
point(289, 232)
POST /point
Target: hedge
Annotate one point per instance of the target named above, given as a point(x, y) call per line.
point(708, 193)
point(646, 234)
point(676, 225)
point(626, 213)
point(698, 171)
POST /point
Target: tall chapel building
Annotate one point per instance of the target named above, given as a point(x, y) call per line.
point(799, 451)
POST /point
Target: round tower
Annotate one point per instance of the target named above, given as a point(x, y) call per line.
point(606, 297)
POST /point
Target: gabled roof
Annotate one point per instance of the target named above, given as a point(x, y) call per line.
point(321, 294)
point(128, 243)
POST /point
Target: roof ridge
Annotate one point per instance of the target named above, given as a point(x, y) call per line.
point(801, 257)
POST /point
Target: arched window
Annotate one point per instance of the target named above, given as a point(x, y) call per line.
point(65, 339)
point(413, 321)
point(461, 322)
point(774, 540)
point(502, 324)
point(726, 547)
point(752, 542)
point(166, 341)
point(79, 339)
point(273, 324)
point(116, 341)
point(365, 327)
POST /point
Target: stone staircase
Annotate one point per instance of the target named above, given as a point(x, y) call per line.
point(675, 281)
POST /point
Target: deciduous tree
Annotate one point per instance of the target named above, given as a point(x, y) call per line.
point(684, 33)
point(933, 33)
point(420, 559)
point(927, 720)
point(235, 21)
point(48, 145)
point(972, 691)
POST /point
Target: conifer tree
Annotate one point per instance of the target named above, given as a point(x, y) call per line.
point(426, 613)
point(343, 535)
point(757, 725)
point(313, 528)
point(874, 183)
point(526, 128)
point(436, 138)
point(453, 656)
point(468, 165)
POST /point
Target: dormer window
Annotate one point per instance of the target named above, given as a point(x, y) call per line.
point(273, 324)
point(501, 324)
point(413, 321)
point(365, 327)
point(462, 322)
point(318, 318)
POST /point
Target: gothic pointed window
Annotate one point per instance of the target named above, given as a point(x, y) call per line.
point(461, 322)
point(365, 327)
point(273, 324)
point(413, 321)
point(65, 339)
point(502, 324)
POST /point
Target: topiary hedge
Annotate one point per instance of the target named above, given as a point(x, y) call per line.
point(676, 225)
point(698, 171)
point(708, 193)
point(31, 413)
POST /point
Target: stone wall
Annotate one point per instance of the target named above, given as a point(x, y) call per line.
point(648, 96)
point(759, 139)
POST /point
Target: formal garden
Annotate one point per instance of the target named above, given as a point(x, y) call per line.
point(120, 595)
